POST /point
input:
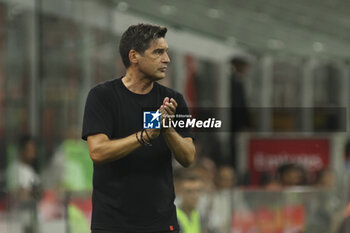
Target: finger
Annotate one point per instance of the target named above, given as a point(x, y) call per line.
point(173, 101)
point(164, 112)
point(168, 111)
point(171, 106)
point(166, 100)
point(164, 115)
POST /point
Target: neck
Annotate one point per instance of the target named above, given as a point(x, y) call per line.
point(25, 161)
point(137, 83)
point(187, 210)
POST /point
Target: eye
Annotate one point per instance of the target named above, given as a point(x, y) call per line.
point(159, 51)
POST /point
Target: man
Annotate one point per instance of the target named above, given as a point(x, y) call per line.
point(220, 213)
point(24, 184)
point(291, 174)
point(347, 156)
point(239, 108)
point(133, 187)
point(22, 178)
point(189, 217)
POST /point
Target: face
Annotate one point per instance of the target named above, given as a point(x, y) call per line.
point(153, 63)
point(29, 152)
point(206, 176)
point(240, 69)
point(292, 177)
point(191, 191)
point(327, 180)
point(225, 178)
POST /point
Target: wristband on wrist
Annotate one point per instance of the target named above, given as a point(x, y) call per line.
point(149, 138)
point(137, 137)
point(145, 143)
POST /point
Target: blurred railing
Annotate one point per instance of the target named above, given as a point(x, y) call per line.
point(299, 209)
point(292, 210)
point(52, 211)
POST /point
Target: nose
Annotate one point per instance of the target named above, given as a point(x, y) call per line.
point(166, 58)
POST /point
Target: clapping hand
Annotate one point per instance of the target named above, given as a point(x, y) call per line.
point(168, 110)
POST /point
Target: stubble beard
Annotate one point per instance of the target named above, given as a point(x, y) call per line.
point(155, 77)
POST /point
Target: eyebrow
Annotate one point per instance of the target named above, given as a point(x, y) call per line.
point(161, 49)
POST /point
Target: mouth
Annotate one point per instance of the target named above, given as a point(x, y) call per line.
point(163, 69)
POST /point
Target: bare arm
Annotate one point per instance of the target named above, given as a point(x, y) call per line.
point(183, 149)
point(102, 149)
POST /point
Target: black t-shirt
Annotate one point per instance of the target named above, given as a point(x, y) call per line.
point(135, 193)
point(239, 108)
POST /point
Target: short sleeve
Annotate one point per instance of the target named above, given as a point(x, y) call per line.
point(97, 114)
point(182, 109)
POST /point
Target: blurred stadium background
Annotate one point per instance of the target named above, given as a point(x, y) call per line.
point(297, 93)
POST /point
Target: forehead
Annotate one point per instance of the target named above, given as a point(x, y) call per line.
point(226, 172)
point(29, 143)
point(191, 183)
point(159, 43)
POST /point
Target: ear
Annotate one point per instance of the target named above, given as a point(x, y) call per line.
point(133, 56)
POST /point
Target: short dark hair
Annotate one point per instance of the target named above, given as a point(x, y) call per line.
point(347, 150)
point(239, 61)
point(190, 176)
point(182, 174)
point(23, 141)
point(286, 167)
point(138, 37)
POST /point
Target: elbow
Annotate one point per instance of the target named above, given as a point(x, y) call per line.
point(190, 158)
point(96, 157)
point(97, 148)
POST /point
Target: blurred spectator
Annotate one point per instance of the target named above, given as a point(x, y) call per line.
point(290, 174)
point(239, 108)
point(187, 214)
point(219, 219)
point(225, 178)
point(70, 170)
point(71, 166)
point(273, 186)
point(206, 170)
point(347, 155)
point(240, 119)
point(323, 206)
point(22, 178)
point(344, 224)
point(77, 220)
point(270, 183)
point(178, 173)
point(325, 179)
point(24, 185)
